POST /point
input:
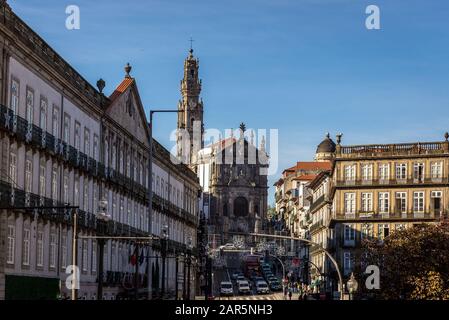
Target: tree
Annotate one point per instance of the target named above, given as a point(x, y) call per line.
point(413, 263)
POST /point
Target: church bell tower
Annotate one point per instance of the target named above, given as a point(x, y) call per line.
point(190, 120)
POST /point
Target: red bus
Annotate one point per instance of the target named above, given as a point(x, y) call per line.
point(251, 265)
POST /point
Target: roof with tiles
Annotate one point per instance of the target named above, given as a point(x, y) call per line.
point(121, 88)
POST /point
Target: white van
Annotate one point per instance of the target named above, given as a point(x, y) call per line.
point(226, 288)
point(243, 287)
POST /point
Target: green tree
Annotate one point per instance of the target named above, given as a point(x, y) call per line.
point(413, 263)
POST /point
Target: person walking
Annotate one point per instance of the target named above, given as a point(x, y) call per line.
point(290, 293)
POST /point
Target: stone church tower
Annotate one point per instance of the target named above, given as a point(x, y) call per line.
point(190, 121)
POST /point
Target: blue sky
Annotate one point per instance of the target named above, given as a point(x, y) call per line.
point(304, 67)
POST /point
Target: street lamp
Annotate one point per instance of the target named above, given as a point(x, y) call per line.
point(102, 218)
point(189, 261)
point(352, 285)
point(150, 175)
point(164, 239)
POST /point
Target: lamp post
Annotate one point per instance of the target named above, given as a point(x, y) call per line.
point(103, 218)
point(189, 262)
point(150, 175)
point(352, 286)
point(164, 240)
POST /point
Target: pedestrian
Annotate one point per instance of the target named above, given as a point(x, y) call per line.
point(290, 293)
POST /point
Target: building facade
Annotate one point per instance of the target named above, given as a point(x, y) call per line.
point(63, 142)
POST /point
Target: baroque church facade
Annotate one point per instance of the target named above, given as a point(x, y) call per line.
point(232, 171)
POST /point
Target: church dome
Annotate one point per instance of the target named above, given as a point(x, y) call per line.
point(326, 146)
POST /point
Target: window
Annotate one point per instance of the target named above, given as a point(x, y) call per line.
point(87, 141)
point(367, 231)
point(128, 166)
point(437, 170)
point(162, 188)
point(401, 202)
point(120, 160)
point(418, 171)
point(64, 251)
point(142, 170)
point(76, 191)
point(367, 202)
point(66, 128)
point(54, 183)
point(383, 231)
point(28, 175)
point(55, 122)
point(43, 114)
point(95, 151)
point(418, 201)
point(30, 105)
point(401, 171)
point(367, 172)
point(349, 232)
point(14, 96)
point(114, 216)
point(13, 168)
point(347, 263)
point(95, 197)
point(52, 250)
point(113, 156)
point(85, 256)
point(77, 135)
point(86, 195)
point(350, 173)
point(121, 213)
point(94, 256)
point(129, 215)
point(436, 202)
point(40, 249)
point(106, 152)
point(384, 202)
point(384, 171)
point(350, 203)
point(66, 188)
point(11, 244)
point(26, 247)
point(42, 181)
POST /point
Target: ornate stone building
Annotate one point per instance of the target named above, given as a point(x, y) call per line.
point(232, 171)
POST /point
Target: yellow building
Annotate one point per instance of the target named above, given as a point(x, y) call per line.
point(377, 189)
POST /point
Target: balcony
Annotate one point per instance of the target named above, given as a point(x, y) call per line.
point(316, 226)
point(425, 180)
point(429, 215)
point(318, 202)
point(34, 136)
point(386, 150)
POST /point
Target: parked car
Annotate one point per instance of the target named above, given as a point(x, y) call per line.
point(275, 286)
point(226, 288)
point(243, 287)
point(235, 275)
point(271, 279)
point(262, 287)
point(241, 278)
point(257, 279)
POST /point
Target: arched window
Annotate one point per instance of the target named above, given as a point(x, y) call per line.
point(240, 207)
